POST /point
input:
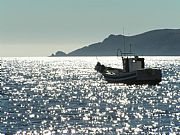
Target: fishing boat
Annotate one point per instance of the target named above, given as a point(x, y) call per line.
point(133, 71)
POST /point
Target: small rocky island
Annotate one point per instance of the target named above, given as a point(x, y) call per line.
point(58, 54)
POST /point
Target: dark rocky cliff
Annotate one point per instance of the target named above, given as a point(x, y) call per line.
point(156, 42)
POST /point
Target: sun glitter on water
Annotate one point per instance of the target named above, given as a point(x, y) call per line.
point(67, 96)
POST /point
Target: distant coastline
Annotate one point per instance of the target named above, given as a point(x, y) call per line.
point(162, 42)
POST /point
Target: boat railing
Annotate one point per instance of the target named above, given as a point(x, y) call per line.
point(124, 54)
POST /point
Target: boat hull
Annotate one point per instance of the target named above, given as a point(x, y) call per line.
point(145, 76)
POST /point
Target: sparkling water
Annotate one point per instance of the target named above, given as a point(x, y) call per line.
point(65, 95)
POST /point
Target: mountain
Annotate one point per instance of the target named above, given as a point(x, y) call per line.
point(156, 42)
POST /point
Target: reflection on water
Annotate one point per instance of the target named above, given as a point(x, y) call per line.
point(67, 96)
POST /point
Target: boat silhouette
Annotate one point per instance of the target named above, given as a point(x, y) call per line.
point(133, 72)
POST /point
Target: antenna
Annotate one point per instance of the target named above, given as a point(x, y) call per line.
point(124, 39)
point(130, 47)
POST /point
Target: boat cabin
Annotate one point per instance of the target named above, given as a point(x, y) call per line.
point(132, 64)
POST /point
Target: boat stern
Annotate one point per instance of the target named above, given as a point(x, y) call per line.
point(152, 76)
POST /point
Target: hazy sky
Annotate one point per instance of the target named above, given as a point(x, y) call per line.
point(41, 27)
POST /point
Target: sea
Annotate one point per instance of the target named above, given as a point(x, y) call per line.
point(65, 95)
